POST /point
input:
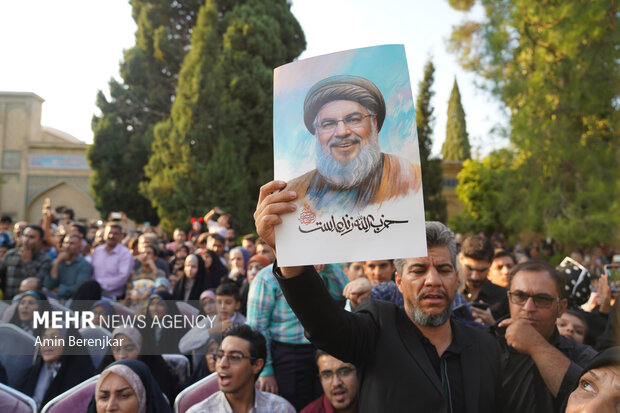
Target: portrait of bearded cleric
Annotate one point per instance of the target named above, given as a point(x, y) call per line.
point(345, 114)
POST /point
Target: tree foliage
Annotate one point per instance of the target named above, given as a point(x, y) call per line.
point(456, 147)
point(123, 133)
point(554, 66)
point(216, 147)
point(432, 179)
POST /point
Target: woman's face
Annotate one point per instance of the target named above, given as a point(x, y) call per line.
point(181, 253)
point(207, 259)
point(236, 260)
point(157, 308)
point(211, 350)
point(26, 307)
point(52, 345)
point(191, 266)
point(209, 306)
point(598, 391)
point(116, 395)
point(126, 348)
point(100, 314)
point(253, 269)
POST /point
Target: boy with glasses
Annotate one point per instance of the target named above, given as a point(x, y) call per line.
point(339, 382)
point(537, 376)
point(238, 362)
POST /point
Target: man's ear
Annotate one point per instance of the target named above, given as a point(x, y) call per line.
point(398, 280)
point(237, 305)
point(258, 365)
point(562, 306)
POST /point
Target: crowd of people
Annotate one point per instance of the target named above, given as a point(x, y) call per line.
point(476, 326)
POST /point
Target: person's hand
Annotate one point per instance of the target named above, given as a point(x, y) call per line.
point(268, 384)
point(605, 294)
point(483, 316)
point(62, 256)
point(272, 202)
point(357, 291)
point(319, 267)
point(521, 335)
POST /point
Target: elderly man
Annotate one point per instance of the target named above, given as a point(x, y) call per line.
point(416, 355)
point(542, 356)
point(346, 113)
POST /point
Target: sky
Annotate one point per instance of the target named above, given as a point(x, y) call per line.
point(66, 51)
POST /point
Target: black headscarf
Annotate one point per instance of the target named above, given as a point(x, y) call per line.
point(155, 400)
point(85, 295)
point(75, 367)
point(205, 278)
point(169, 340)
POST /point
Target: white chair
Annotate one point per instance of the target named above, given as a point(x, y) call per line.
point(17, 351)
point(76, 399)
point(196, 393)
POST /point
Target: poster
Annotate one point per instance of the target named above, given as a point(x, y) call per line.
point(345, 140)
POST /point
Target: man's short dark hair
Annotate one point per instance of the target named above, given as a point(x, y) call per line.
point(318, 354)
point(115, 225)
point(478, 248)
point(229, 289)
point(437, 235)
point(80, 228)
point(540, 266)
point(499, 253)
point(216, 237)
point(36, 228)
point(69, 212)
point(250, 237)
point(258, 344)
point(6, 219)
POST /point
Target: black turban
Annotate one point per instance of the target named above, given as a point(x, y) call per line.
point(343, 87)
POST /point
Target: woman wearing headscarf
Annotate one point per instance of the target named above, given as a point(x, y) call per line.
point(196, 278)
point(238, 258)
point(597, 389)
point(155, 337)
point(127, 386)
point(23, 316)
point(102, 310)
point(85, 294)
point(57, 367)
point(130, 346)
point(206, 365)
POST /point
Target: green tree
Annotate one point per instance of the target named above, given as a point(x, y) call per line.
point(484, 189)
point(432, 178)
point(123, 133)
point(456, 146)
point(554, 66)
point(215, 148)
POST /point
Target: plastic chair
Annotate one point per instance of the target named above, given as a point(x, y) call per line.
point(121, 309)
point(196, 393)
point(13, 401)
point(187, 309)
point(76, 399)
point(17, 351)
point(179, 365)
point(96, 352)
point(8, 312)
point(3, 306)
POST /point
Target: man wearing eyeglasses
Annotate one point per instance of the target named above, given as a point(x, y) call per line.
point(238, 362)
point(345, 114)
point(538, 376)
point(339, 382)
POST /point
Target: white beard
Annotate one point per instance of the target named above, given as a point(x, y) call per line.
point(353, 172)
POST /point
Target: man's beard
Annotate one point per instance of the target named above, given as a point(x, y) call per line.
point(430, 320)
point(353, 172)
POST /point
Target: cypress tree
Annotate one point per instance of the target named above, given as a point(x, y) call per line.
point(434, 203)
point(456, 146)
point(216, 148)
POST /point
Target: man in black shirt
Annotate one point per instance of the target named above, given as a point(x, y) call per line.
point(416, 357)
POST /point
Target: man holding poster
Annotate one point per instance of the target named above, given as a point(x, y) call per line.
point(345, 114)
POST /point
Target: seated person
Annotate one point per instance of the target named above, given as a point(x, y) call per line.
point(102, 310)
point(238, 362)
point(29, 302)
point(127, 386)
point(56, 368)
point(339, 382)
point(130, 348)
point(70, 269)
point(206, 365)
